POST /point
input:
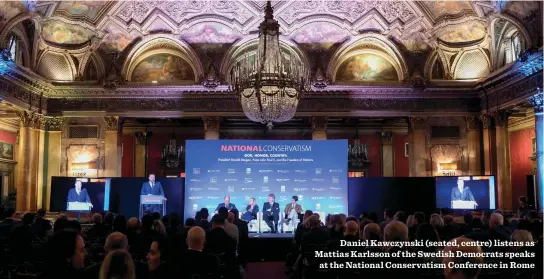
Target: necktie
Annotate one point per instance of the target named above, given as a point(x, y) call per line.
point(151, 184)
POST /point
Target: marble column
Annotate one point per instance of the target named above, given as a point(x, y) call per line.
point(488, 139)
point(26, 179)
point(211, 127)
point(319, 128)
point(111, 147)
point(41, 185)
point(503, 160)
point(53, 149)
point(418, 147)
point(473, 145)
point(140, 161)
point(537, 102)
point(388, 155)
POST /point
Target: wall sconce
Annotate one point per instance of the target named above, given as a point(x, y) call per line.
point(448, 169)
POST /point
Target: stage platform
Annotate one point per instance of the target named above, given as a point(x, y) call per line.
point(269, 246)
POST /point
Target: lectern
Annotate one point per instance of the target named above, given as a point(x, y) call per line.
point(79, 207)
point(152, 199)
point(463, 205)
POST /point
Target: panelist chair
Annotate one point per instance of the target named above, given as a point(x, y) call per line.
point(253, 225)
point(263, 227)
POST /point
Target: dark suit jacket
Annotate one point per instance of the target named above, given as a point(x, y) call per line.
point(456, 195)
point(275, 211)
point(199, 263)
point(229, 208)
point(250, 215)
point(316, 236)
point(156, 190)
point(82, 197)
point(218, 241)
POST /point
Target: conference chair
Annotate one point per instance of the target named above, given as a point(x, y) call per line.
point(253, 225)
point(263, 227)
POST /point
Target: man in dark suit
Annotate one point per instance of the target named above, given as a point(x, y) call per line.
point(196, 262)
point(152, 188)
point(226, 203)
point(77, 194)
point(218, 242)
point(271, 213)
point(462, 193)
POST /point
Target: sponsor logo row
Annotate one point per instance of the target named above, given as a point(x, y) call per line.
point(318, 206)
point(214, 180)
point(197, 171)
point(283, 189)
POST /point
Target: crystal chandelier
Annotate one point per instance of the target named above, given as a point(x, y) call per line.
point(269, 84)
point(357, 152)
point(171, 154)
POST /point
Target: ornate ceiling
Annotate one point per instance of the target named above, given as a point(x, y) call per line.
point(352, 43)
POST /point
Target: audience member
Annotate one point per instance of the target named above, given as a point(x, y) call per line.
point(65, 255)
point(467, 272)
point(410, 221)
point(351, 232)
point(120, 224)
point(400, 216)
point(523, 207)
point(155, 259)
point(220, 243)
point(41, 225)
point(118, 265)
point(230, 228)
point(196, 262)
point(387, 217)
point(371, 231)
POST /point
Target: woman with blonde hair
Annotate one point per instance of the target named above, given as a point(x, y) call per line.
point(118, 265)
point(437, 221)
point(410, 221)
point(159, 227)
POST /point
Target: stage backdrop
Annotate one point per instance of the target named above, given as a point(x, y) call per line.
point(315, 171)
point(125, 195)
point(61, 185)
point(374, 194)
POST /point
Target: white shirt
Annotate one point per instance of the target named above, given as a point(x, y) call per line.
point(151, 184)
point(78, 191)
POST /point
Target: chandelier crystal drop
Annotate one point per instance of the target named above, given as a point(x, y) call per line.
point(269, 83)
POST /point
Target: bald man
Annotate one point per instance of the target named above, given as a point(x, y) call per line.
point(114, 241)
point(196, 262)
point(462, 273)
point(351, 232)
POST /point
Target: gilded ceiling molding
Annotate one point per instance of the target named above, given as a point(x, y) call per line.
point(21, 35)
point(387, 138)
point(368, 43)
point(54, 124)
point(161, 43)
point(8, 26)
point(112, 123)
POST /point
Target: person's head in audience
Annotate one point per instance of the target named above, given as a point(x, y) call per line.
point(196, 237)
point(158, 226)
point(388, 214)
point(236, 214)
point(449, 220)
point(97, 218)
point(427, 232)
point(467, 218)
point(218, 221)
point(317, 216)
point(371, 231)
point(28, 218)
point(400, 216)
point(352, 218)
point(328, 220)
point(108, 218)
point(436, 220)
point(231, 218)
point(410, 221)
point(336, 222)
point(271, 198)
point(313, 222)
point(226, 200)
point(395, 231)
point(66, 246)
point(351, 229)
point(116, 241)
point(60, 224)
point(477, 224)
point(62, 216)
point(522, 236)
point(40, 213)
point(469, 272)
point(198, 216)
point(373, 216)
point(9, 212)
point(190, 222)
point(307, 214)
point(532, 216)
point(74, 225)
point(118, 265)
point(204, 214)
point(133, 224)
point(224, 212)
point(486, 214)
point(523, 224)
point(119, 223)
point(165, 221)
point(156, 215)
point(174, 220)
point(156, 254)
point(419, 218)
point(522, 201)
point(496, 220)
point(147, 222)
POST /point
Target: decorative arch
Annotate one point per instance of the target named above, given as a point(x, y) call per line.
point(95, 60)
point(14, 26)
point(504, 30)
point(370, 44)
point(161, 44)
point(431, 63)
point(471, 63)
point(56, 66)
point(249, 47)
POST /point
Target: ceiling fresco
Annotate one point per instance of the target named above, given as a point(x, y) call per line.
point(116, 39)
point(319, 36)
point(446, 7)
point(9, 9)
point(366, 67)
point(466, 32)
point(62, 33)
point(163, 68)
point(86, 9)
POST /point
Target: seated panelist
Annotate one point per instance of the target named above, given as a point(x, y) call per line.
point(226, 203)
point(251, 211)
point(271, 213)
